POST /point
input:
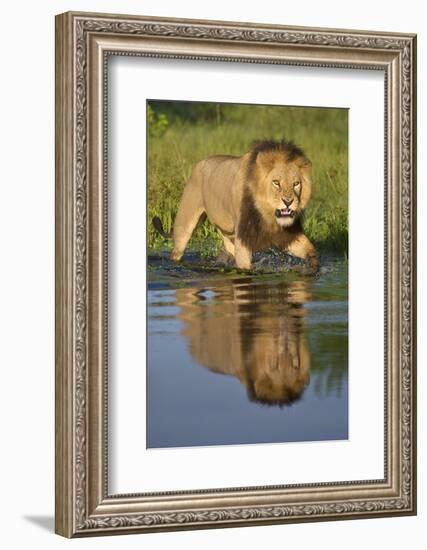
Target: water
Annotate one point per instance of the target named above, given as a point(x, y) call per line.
point(237, 358)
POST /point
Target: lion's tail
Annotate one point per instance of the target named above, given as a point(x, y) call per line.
point(158, 226)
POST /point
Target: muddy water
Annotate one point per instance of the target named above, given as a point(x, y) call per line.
point(238, 358)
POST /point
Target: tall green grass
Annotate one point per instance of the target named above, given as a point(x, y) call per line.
point(182, 133)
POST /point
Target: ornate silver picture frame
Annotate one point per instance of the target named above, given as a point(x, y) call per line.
point(84, 506)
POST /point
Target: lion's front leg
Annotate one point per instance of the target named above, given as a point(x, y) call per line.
point(302, 247)
point(242, 255)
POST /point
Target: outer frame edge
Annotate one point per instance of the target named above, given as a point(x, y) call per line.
point(64, 382)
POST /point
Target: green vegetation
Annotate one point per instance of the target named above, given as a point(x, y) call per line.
point(182, 133)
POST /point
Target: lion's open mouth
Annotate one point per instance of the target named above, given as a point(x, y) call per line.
point(284, 213)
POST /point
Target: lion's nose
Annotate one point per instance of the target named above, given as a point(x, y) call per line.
point(288, 202)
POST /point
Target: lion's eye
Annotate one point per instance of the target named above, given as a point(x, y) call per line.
point(297, 184)
point(276, 183)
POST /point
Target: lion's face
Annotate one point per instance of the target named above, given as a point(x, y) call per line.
point(279, 367)
point(284, 187)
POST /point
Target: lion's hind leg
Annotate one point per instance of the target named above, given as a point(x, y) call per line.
point(190, 213)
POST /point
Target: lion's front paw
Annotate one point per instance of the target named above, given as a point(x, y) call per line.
point(313, 262)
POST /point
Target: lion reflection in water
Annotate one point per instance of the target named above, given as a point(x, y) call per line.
point(253, 331)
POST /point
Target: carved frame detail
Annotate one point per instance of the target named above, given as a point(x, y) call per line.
point(83, 506)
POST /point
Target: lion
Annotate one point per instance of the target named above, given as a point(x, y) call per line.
point(255, 201)
point(251, 332)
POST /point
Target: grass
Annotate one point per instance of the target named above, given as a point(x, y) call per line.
point(181, 133)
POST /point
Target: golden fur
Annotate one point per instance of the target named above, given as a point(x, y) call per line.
point(255, 201)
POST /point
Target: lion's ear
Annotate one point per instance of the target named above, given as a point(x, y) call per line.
point(265, 160)
point(306, 184)
point(304, 163)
